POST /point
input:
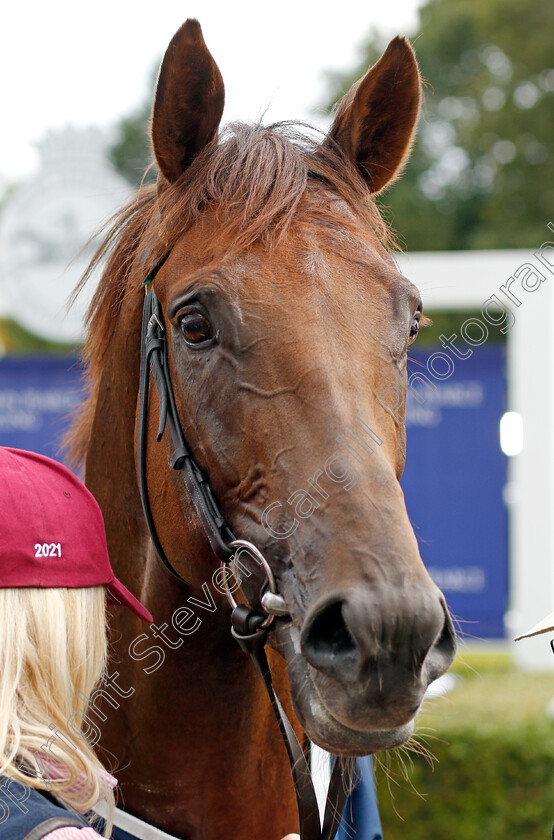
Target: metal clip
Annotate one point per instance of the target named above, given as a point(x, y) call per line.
point(155, 320)
point(274, 604)
point(271, 598)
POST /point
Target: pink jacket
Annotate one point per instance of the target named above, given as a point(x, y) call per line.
point(72, 832)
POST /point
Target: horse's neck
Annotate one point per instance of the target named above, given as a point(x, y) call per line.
point(196, 740)
point(197, 748)
point(189, 723)
point(110, 462)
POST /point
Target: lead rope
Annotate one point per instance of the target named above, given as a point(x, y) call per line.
point(252, 637)
point(249, 628)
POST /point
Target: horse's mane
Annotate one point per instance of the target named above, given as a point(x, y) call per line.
point(253, 179)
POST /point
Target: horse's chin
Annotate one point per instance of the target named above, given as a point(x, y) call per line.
point(319, 723)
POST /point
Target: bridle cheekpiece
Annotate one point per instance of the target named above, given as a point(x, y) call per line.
point(249, 626)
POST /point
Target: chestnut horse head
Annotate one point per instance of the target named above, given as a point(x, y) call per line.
point(287, 321)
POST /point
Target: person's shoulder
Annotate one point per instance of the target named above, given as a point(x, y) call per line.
point(29, 812)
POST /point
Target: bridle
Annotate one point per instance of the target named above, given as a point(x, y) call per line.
point(250, 627)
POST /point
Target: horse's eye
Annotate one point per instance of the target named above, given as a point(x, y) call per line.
point(195, 327)
point(414, 329)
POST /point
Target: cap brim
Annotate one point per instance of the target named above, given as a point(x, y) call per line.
point(119, 595)
point(544, 626)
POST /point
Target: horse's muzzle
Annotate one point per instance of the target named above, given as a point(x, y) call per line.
point(372, 658)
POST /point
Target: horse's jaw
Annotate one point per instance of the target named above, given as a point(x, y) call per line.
point(313, 713)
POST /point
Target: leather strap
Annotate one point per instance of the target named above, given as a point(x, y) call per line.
point(153, 357)
point(247, 630)
point(246, 624)
point(53, 824)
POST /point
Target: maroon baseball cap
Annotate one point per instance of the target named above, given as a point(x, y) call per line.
point(51, 530)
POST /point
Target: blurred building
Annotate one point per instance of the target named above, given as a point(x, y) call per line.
point(47, 228)
point(509, 292)
point(47, 237)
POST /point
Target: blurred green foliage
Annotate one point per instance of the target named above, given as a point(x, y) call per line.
point(494, 786)
point(16, 340)
point(492, 771)
point(449, 322)
point(132, 153)
point(482, 169)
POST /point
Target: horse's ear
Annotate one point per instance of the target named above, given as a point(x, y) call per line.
point(189, 101)
point(375, 121)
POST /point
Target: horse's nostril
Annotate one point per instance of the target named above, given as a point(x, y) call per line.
point(326, 640)
point(443, 651)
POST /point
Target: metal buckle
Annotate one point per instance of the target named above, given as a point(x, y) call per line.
point(155, 320)
point(273, 603)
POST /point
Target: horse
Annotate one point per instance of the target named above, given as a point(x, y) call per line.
point(286, 321)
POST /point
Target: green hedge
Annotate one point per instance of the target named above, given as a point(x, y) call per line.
point(483, 787)
point(493, 777)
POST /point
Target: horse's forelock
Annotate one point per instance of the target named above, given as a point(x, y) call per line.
point(253, 178)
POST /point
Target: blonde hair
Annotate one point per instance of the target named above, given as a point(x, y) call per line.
point(53, 651)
